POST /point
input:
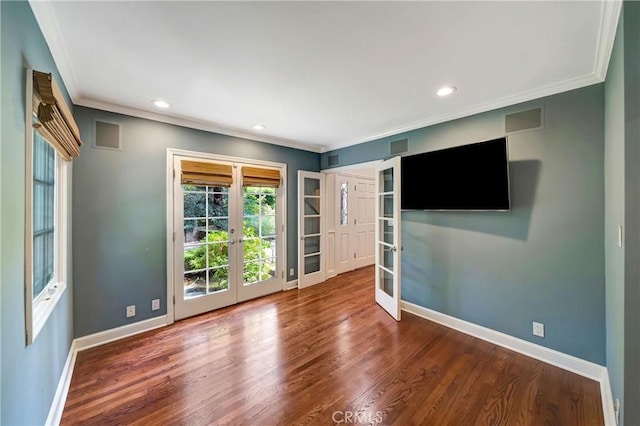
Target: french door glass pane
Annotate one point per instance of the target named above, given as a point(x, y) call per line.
point(386, 230)
point(386, 282)
point(311, 186)
point(259, 230)
point(387, 206)
point(311, 264)
point(312, 245)
point(311, 225)
point(311, 206)
point(206, 240)
point(386, 257)
point(386, 180)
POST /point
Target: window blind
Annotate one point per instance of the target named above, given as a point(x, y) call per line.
point(201, 173)
point(54, 119)
point(259, 176)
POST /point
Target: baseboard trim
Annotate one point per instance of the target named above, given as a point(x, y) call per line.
point(607, 399)
point(291, 285)
point(576, 365)
point(118, 333)
point(60, 397)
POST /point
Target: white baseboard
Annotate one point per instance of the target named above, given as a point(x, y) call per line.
point(607, 399)
point(291, 285)
point(118, 333)
point(576, 365)
point(86, 342)
point(60, 397)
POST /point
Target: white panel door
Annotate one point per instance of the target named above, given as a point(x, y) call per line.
point(387, 281)
point(310, 229)
point(364, 222)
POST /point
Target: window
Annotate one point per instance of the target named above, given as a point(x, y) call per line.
point(44, 212)
point(46, 236)
point(52, 140)
point(344, 206)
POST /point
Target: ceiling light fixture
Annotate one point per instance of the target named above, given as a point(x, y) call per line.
point(160, 104)
point(258, 127)
point(446, 90)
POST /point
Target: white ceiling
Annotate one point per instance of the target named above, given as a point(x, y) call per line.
point(323, 75)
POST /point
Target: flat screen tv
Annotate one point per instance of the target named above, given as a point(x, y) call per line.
point(469, 177)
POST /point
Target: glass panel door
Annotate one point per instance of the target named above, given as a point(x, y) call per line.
point(227, 246)
point(259, 243)
point(310, 228)
point(387, 279)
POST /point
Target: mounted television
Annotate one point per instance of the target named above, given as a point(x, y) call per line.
point(468, 177)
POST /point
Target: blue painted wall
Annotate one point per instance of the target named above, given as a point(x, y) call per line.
point(544, 260)
point(30, 374)
point(119, 210)
point(614, 214)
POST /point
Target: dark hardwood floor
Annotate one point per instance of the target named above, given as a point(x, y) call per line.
point(323, 355)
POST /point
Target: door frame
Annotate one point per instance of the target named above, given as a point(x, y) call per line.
point(170, 260)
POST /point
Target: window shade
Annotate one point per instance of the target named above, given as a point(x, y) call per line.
point(55, 122)
point(258, 176)
point(201, 173)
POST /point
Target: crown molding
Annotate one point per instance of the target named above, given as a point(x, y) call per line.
point(609, 18)
point(48, 24)
point(552, 89)
point(193, 124)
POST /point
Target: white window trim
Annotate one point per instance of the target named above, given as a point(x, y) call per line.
point(38, 311)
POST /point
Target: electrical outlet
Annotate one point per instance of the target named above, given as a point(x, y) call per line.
point(292, 272)
point(538, 329)
point(131, 311)
point(155, 304)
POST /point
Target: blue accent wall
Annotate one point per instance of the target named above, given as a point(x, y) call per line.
point(30, 374)
point(119, 211)
point(544, 260)
point(614, 214)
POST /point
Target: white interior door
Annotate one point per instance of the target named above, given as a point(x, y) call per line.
point(364, 222)
point(310, 229)
point(388, 244)
point(227, 244)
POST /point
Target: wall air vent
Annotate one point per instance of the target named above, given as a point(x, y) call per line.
point(399, 146)
point(524, 120)
point(333, 160)
point(106, 135)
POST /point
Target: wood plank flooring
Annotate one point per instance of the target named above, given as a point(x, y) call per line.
point(323, 355)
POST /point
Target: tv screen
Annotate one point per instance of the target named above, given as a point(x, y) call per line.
point(468, 177)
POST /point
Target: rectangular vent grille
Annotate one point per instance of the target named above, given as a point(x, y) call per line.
point(106, 135)
point(525, 120)
point(333, 160)
point(398, 147)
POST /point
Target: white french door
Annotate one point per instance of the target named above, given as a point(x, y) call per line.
point(310, 228)
point(355, 222)
point(228, 241)
point(388, 244)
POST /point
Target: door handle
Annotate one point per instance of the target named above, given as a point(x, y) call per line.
point(232, 241)
point(394, 249)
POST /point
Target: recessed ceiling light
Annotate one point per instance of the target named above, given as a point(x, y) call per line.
point(160, 104)
point(258, 126)
point(446, 91)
